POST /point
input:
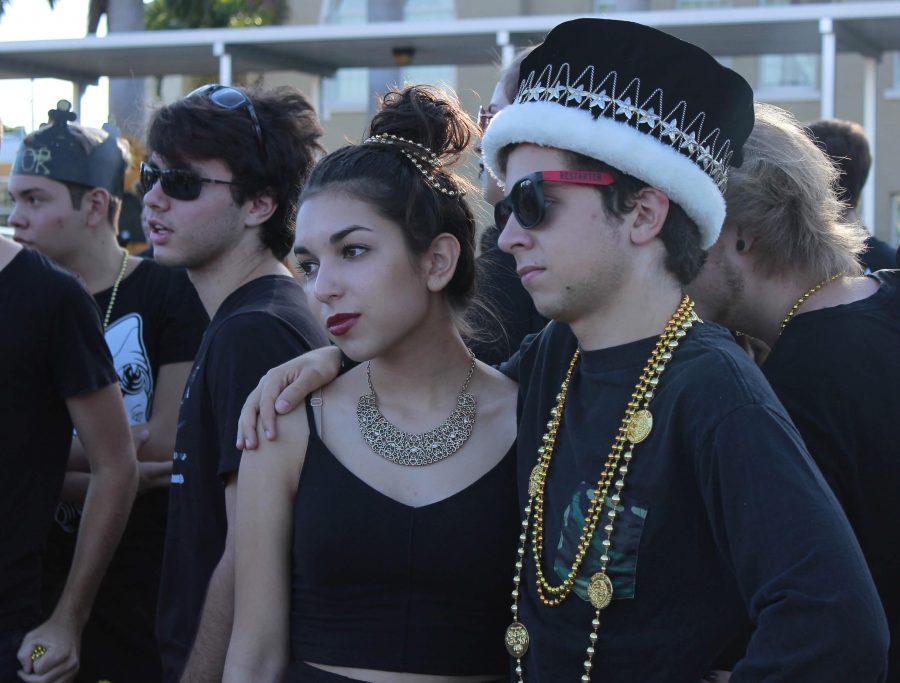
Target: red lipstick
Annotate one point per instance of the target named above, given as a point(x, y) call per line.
point(340, 323)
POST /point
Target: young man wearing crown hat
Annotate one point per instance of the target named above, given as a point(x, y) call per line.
point(225, 170)
point(670, 508)
point(57, 372)
point(786, 270)
point(669, 503)
point(67, 186)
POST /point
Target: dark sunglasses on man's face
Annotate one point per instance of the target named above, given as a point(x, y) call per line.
point(226, 97)
point(526, 197)
point(177, 183)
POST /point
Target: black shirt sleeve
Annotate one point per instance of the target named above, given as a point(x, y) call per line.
point(812, 600)
point(245, 348)
point(81, 359)
point(522, 361)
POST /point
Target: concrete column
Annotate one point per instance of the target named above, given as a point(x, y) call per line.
point(77, 93)
point(225, 73)
point(870, 107)
point(507, 50)
point(826, 30)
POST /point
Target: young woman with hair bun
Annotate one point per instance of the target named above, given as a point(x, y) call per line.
point(376, 532)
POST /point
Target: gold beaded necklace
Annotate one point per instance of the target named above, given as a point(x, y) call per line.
point(634, 428)
point(808, 293)
point(115, 290)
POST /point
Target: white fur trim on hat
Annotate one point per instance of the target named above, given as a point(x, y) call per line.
point(638, 154)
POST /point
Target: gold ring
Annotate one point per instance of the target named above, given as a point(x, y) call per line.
point(38, 652)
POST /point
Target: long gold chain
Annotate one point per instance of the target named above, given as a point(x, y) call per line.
point(634, 428)
point(115, 290)
point(808, 293)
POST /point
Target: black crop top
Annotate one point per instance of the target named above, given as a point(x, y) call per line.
point(377, 584)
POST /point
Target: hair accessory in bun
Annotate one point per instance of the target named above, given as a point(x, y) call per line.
point(424, 159)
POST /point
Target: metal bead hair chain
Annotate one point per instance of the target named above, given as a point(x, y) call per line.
point(636, 426)
point(426, 161)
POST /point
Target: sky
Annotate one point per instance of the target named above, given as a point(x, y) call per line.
point(25, 102)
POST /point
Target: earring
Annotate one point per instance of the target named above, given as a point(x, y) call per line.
point(740, 245)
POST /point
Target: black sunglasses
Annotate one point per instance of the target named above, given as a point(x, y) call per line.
point(226, 97)
point(526, 198)
point(177, 183)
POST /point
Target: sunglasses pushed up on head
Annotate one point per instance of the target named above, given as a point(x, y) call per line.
point(526, 197)
point(226, 97)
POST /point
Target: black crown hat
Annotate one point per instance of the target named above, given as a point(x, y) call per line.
point(54, 152)
point(640, 100)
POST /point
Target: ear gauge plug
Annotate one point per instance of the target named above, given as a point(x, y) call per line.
point(739, 245)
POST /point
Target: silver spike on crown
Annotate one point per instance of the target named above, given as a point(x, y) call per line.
point(649, 115)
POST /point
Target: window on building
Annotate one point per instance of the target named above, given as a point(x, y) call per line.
point(702, 4)
point(349, 89)
point(788, 71)
point(895, 217)
point(429, 10)
point(788, 75)
point(602, 6)
point(896, 76)
point(344, 12)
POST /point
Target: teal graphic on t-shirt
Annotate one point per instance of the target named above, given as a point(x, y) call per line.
point(623, 555)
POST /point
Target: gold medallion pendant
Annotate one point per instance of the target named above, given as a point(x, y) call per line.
point(639, 426)
point(516, 639)
point(600, 590)
point(534, 481)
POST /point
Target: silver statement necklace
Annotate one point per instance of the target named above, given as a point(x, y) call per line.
point(414, 450)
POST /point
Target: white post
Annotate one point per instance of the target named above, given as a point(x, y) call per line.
point(870, 106)
point(77, 93)
point(225, 75)
point(507, 51)
point(826, 29)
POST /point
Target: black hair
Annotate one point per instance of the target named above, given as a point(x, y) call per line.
point(679, 234)
point(194, 128)
point(846, 144)
point(383, 176)
point(76, 196)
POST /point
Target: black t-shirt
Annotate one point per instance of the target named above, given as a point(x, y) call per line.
point(837, 371)
point(260, 325)
point(51, 349)
point(157, 320)
point(879, 255)
point(724, 522)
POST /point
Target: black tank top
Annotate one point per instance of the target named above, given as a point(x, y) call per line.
point(377, 584)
